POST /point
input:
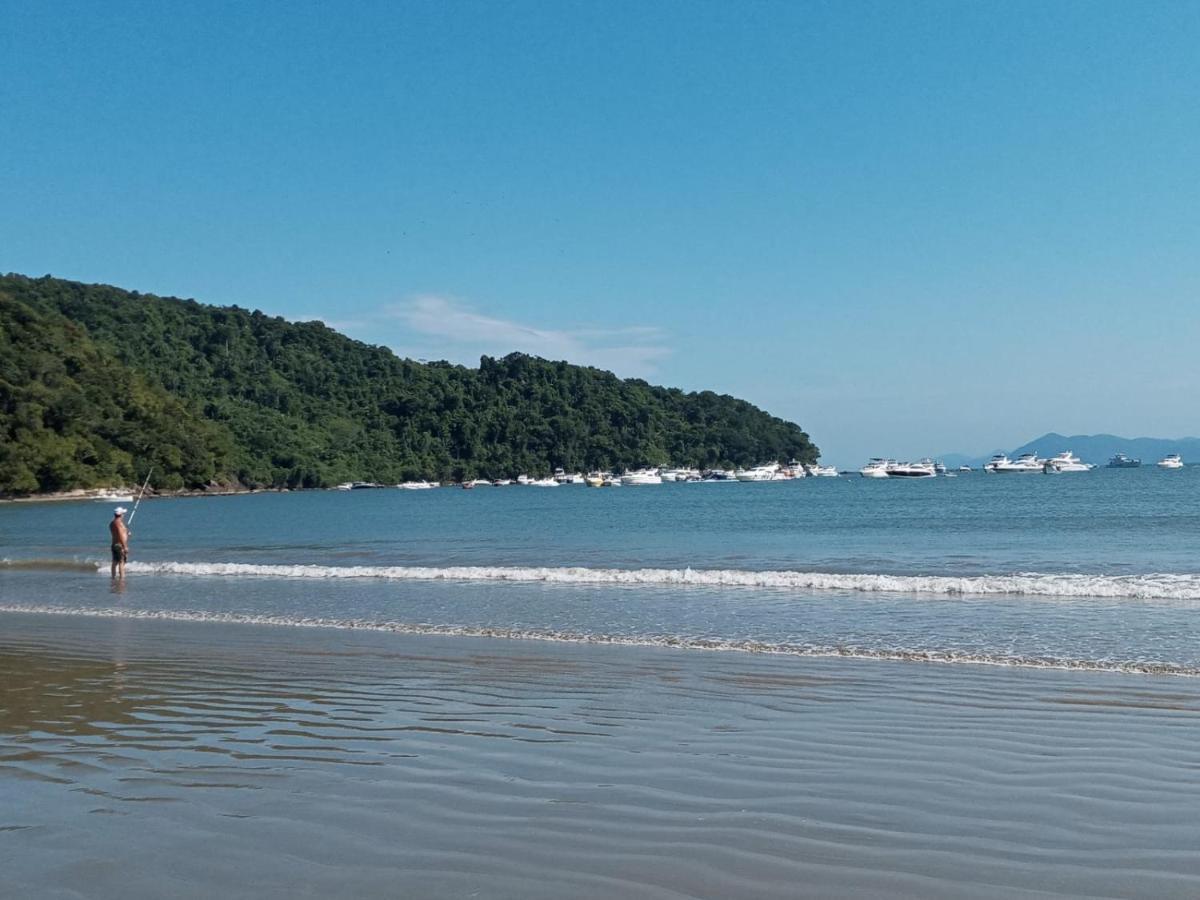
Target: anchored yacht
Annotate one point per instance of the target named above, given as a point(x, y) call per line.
point(1065, 462)
point(1000, 459)
point(769, 472)
point(1121, 461)
point(1171, 461)
point(876, 468)
point(819, 471)
point(924, 468)
point(1024, 464)
point(641, 477)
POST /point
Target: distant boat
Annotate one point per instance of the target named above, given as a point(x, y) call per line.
point(1170, 461)
point(819, 471)
point(416, 485)
point(769, 472)
point(113, 496)
point(1000, 459)
point(876, 468)
point(1065, 462)
point(1025, 464)
point(543, 482)
point(641, 477)
point(1121, 461)
point(922, 469)
point(965, 469)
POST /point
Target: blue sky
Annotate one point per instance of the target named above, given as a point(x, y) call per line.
point(912, 228)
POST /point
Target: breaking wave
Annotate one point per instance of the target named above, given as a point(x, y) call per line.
point(1134, 587)
point(945, 656)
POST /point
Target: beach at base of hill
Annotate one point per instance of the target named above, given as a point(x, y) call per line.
point(147, 759)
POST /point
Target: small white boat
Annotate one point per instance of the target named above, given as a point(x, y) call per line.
point(1065, 462)
point(1000, 459)
point(480, 482)
point(1170, 461)
point(502, 482)
point(611, 480)
point(543, 482)
point(1024, 464)
point(347, 486)
point(416, 485)
point(965, 469)
point(816, 470)
point(876, 468)
point(113, 496)
point(594, 479)
point(523, 479)
point(641, 477)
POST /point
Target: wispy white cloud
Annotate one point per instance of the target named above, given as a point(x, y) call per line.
point(452, 329)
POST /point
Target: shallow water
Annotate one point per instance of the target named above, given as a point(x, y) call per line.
point(149, 759)
point(1094, 571)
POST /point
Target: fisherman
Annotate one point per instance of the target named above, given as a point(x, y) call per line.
point(120, 542)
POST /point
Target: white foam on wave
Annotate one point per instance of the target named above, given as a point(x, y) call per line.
point(678, 642)
point(1135, 587)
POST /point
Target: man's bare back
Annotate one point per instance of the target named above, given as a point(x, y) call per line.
point(120, 543)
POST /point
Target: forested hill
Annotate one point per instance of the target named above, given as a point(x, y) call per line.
point(97, 384)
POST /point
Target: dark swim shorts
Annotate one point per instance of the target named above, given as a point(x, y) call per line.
point(118, 553)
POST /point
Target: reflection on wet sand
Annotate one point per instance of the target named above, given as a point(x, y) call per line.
point(144, 759)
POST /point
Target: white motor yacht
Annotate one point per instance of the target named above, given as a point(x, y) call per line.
point(1171, 461)
point(523, 479)
point(1000, 459)
point(816, 470)
point(641, 477)
point(965, 469)
point(1065, 462)
point(1023, 465)
point(876, 468)
point(769, 472)
point(416, 485)
point(921, 469)
point(543, 482)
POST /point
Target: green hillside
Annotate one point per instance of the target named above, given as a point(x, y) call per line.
point(98, 383)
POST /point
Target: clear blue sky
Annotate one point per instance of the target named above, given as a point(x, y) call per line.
point(910, 227)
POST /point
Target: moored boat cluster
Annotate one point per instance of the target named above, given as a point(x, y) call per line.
point(634, 478)
point(1000, 464)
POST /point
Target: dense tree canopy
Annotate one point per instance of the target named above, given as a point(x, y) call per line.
point(97, 384)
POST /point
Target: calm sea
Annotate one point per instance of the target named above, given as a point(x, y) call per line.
point(1093, 571)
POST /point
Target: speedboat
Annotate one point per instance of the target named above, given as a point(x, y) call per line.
point(611, 480)
point(716, 476)
point(594, 479)
point(965, 469)
point(480, 482)
point(922, 469)
point(682, 475)
point(416, 485)
point(502, 482)
point(1000, 459)
point(641, 477)
point(1024, 465)
point(939, 467)
point(523, 479)
point(347, 486)
point(1121, 461)
point(1170, 461)
point(543, 482)
point(876, 468)
point(817, 470)
point(1065, 462)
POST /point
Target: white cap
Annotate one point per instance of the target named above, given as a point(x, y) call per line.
point(120, 510)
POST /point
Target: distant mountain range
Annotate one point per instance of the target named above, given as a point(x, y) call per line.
point(1093, 448)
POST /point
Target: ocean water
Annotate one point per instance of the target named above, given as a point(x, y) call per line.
point(970, 687)
point(1096, 571)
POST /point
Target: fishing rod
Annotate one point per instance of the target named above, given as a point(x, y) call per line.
point(141, 493)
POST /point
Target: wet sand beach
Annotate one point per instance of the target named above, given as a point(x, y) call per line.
point(145, 759)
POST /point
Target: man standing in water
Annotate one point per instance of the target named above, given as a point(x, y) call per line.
point(120, 542)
